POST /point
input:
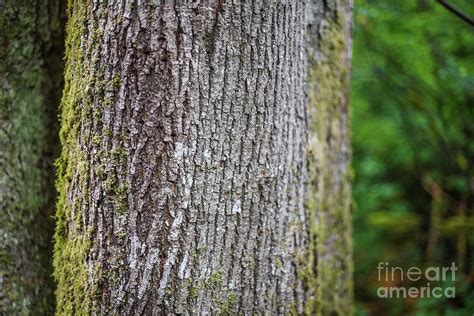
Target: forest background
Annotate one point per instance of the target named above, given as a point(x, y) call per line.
point(413, 150)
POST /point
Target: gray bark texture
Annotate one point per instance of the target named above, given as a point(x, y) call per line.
point(190, 180)
point(30, 85)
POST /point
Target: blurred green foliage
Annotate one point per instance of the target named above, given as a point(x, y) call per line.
point(413, 149)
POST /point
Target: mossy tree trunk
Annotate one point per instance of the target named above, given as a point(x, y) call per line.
point(329, 60)
point(30, 85)
point(184, 182)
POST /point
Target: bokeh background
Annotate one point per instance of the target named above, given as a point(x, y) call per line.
point(413, 150)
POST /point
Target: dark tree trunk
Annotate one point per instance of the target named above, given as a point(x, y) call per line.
point(30, 85)
point(184, 183)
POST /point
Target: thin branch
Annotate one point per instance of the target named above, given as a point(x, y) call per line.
point(457, 12)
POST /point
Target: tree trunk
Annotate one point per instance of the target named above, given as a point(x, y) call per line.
point(329, 56)
point(30, 85)
point(184, 183)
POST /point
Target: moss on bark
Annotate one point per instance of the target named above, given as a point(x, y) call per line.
point(74, 293)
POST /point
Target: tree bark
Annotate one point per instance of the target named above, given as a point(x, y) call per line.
point(329, 56)
point(184, 179)
point(30, 84)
